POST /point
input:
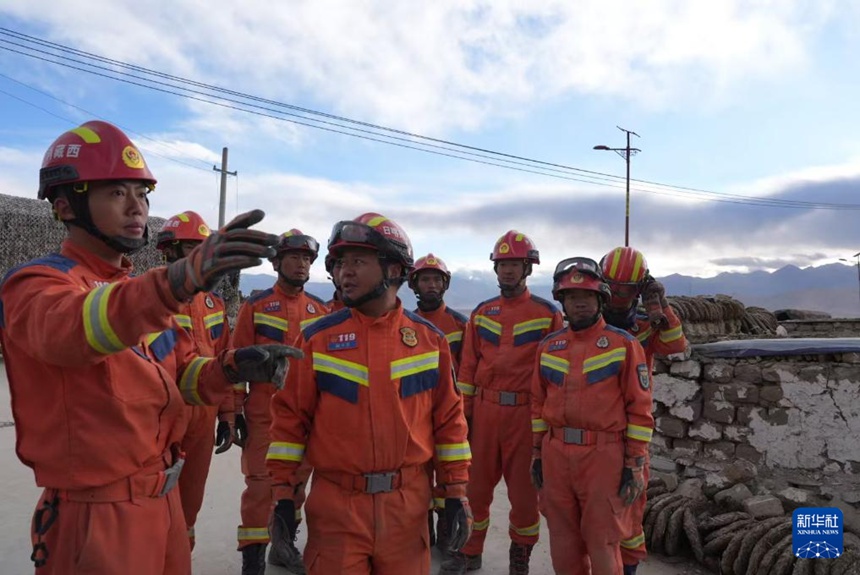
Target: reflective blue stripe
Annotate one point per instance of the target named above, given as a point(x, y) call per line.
point(163, 345)
point(528, 337)
point(418, 382)
point(602, 373)
point(270, 332)
point(338, 386)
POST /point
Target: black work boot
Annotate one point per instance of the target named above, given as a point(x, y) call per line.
point(630, 569)
point(283, 551)
point(254, 559)
point(520, 555)
point(442, 538)
point(458, 564)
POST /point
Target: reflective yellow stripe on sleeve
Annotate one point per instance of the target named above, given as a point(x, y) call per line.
point(467, 388)
point(539, 426)
point(639, 432)
point(670, 335)
point(453, 451)
point(454, 337)
point(189, 379)
point(284, 451)
point(97, 328)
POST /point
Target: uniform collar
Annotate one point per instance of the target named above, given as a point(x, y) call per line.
point(100, 267)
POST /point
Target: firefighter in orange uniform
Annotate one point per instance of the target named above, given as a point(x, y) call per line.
point(429, 280)
point(275, 315)
point(495, 378)
point(204, 320)
point(591, 417)
point(372, 402)
point(659, 330)
point(335, 303)
point(98, 369)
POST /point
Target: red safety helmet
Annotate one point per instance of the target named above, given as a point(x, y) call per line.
point(376, 232)
point(624, 265)
point(515, 246)
point(579, 273)
point(94, 151)
point(187, 226)
point(295, 241)
point(429, 262)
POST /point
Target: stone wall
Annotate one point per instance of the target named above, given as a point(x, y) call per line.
point(789, 413)
point(822, 327)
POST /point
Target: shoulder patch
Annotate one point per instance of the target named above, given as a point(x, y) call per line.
point(545, 302)
point(260, 295)
point(485, 302)
point(456, 315)
point(418, 319)
point(325, 322)
point(644, 376)
point(627, 335)
point(55, 261)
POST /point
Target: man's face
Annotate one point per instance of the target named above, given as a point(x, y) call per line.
point(360, 271)
point(624, 295)
point(510, 272)
point(430, 284)
point(579, 304)
point(119, 209)
point(296, 265)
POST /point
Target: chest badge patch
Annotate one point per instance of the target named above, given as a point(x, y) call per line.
point(494, 310)
point(342, 341)
point(272, 306)
point(208, 301)
point(408, 336)
point(311, 309)
point(557, 345)
point(602, 342)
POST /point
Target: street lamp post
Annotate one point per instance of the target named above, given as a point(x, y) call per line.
point(625, 153)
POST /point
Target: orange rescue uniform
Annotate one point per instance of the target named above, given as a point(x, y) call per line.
point(205, 321)
point(591, 408)
point(495, 377)
point(370, 404)
point(270, 316)
point(98, 412)
point(664, 341)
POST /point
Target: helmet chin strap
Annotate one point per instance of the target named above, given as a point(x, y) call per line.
point(84, 220)
point(509, 290)
point(376, 292)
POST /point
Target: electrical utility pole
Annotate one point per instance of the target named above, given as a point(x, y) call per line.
point(625, 152)
point(222, 205)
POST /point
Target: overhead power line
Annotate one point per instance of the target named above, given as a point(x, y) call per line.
point(72, 58)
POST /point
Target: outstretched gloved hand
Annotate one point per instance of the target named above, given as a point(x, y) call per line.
point(632, 480)
point(233, 247)
point(458, 517)
point(654, 299)
point(259, 363)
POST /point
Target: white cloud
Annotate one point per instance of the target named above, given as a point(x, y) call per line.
point(438, 66)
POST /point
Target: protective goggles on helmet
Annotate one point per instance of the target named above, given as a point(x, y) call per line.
point(298, 243)
point(624, 290)
point(355, 233)
point(585, 265)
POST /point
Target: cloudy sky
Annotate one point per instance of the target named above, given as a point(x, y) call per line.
point(747, 112)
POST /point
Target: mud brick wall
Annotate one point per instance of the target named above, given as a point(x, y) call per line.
point(799, 413)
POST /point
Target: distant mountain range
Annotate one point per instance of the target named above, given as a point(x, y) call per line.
point(831, 288)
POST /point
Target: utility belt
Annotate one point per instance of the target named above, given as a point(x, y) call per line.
point(576, 436)
point(155, 479)
point(508, 398)
point(372, 483)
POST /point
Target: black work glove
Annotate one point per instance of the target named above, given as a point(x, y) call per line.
point(233, 247)
point(654, 300)
point(223, 437)
point(537, 472)
point(240, 431)
point(256, 363)
point(458, 517)
point(632, 480)
point(284, 518)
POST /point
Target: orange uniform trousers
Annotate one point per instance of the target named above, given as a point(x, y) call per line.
point(501, 441)
point(122, 527)
point(579, 499)
point(355, 533)
point(257, 499)
point(197, 443)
